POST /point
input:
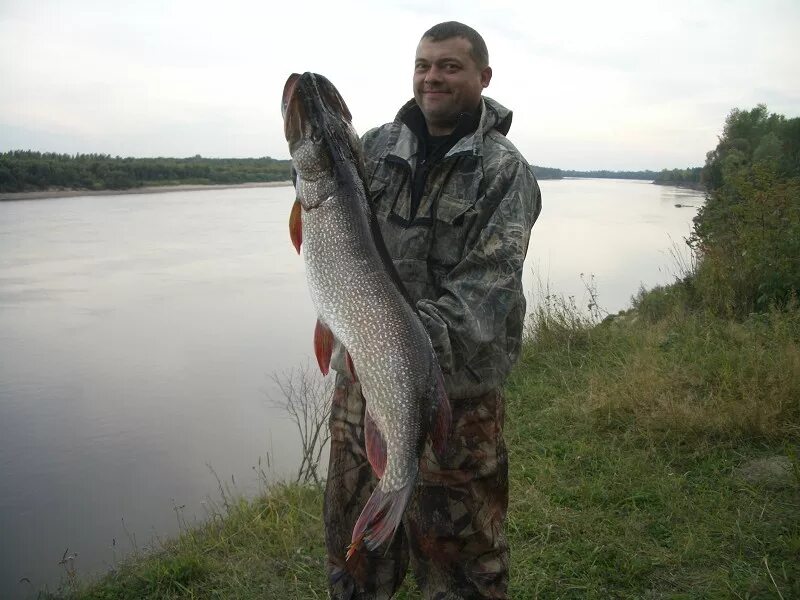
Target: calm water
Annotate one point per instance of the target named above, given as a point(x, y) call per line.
point(139, 334)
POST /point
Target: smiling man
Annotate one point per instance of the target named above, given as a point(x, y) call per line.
point(455, 202)
point(448, 80)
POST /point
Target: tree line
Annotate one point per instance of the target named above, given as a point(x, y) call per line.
point(747, 234)
point(690, 176)
point(606, 174)
point(25, 170)
point(547, 172)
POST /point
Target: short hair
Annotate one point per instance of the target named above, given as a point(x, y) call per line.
point(451, 29)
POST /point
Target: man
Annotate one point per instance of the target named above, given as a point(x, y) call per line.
point(455, 202)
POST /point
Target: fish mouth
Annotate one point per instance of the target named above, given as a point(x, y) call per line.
point(288, 92)
point(291, 110)
point(308, 101)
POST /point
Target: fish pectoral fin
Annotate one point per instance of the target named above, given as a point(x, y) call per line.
point(323, 346)
point(376, 445)
point(296, 225)
point(380, 517)
point(442, 418)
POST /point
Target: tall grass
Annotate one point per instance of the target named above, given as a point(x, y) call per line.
point(627, 438)
point(700, 376)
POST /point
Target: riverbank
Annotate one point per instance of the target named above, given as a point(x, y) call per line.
point(652, 455)
point(156, 189)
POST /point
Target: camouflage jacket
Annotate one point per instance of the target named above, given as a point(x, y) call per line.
point(461, 255)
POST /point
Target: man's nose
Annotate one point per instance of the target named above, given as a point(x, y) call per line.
point(434, 74)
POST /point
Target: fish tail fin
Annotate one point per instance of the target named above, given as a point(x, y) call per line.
point(380, 518)
point(442, 418)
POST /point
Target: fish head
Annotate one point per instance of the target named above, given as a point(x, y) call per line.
point(322, 141)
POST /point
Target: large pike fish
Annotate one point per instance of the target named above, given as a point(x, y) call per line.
point(361, 302)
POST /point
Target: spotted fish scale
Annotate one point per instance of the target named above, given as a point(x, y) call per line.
point(388, 345)
point(358, 298)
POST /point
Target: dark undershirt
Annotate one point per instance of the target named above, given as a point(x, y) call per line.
point(432, 149)
point(434, 143)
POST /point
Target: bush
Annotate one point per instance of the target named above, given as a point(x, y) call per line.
point(747, 235)
point(664, 301)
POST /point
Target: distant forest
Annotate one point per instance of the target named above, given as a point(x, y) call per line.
point(547, 173)
point(651, 175)
point(689, 176)
point(23, 171)
point(26, 171)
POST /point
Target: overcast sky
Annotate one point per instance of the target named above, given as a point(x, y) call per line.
point(593, 85)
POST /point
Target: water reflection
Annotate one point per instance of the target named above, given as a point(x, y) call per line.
point(624, 233)
point(139, 334)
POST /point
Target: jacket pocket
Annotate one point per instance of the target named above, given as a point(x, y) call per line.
point(385, 186)
point(452, 222)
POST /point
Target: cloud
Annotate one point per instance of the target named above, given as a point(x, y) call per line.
point(592, 85)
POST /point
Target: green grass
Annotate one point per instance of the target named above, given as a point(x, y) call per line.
point(269, 547)
point(626, 444)
point(631, 449)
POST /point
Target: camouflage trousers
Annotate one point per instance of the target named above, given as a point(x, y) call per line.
point(452, 531)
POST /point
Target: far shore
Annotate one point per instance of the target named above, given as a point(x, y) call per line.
point(683, 184)
point(155, 189)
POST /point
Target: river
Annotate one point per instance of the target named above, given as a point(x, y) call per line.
point(139, 335)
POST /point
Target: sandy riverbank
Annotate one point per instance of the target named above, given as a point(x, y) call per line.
point(37, 195)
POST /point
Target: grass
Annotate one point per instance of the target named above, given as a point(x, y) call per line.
point(269, 547)
point(637, 447)
point(627, 441)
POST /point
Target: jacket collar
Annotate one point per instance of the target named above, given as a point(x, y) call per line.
point(404, 144)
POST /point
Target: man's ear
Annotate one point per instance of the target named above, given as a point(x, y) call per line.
point(486, 76)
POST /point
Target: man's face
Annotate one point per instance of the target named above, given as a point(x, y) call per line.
point(447, 81)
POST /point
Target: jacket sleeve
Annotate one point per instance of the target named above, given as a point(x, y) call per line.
point(479, 293)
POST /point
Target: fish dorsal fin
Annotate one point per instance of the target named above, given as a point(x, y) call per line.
point(376, 445)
